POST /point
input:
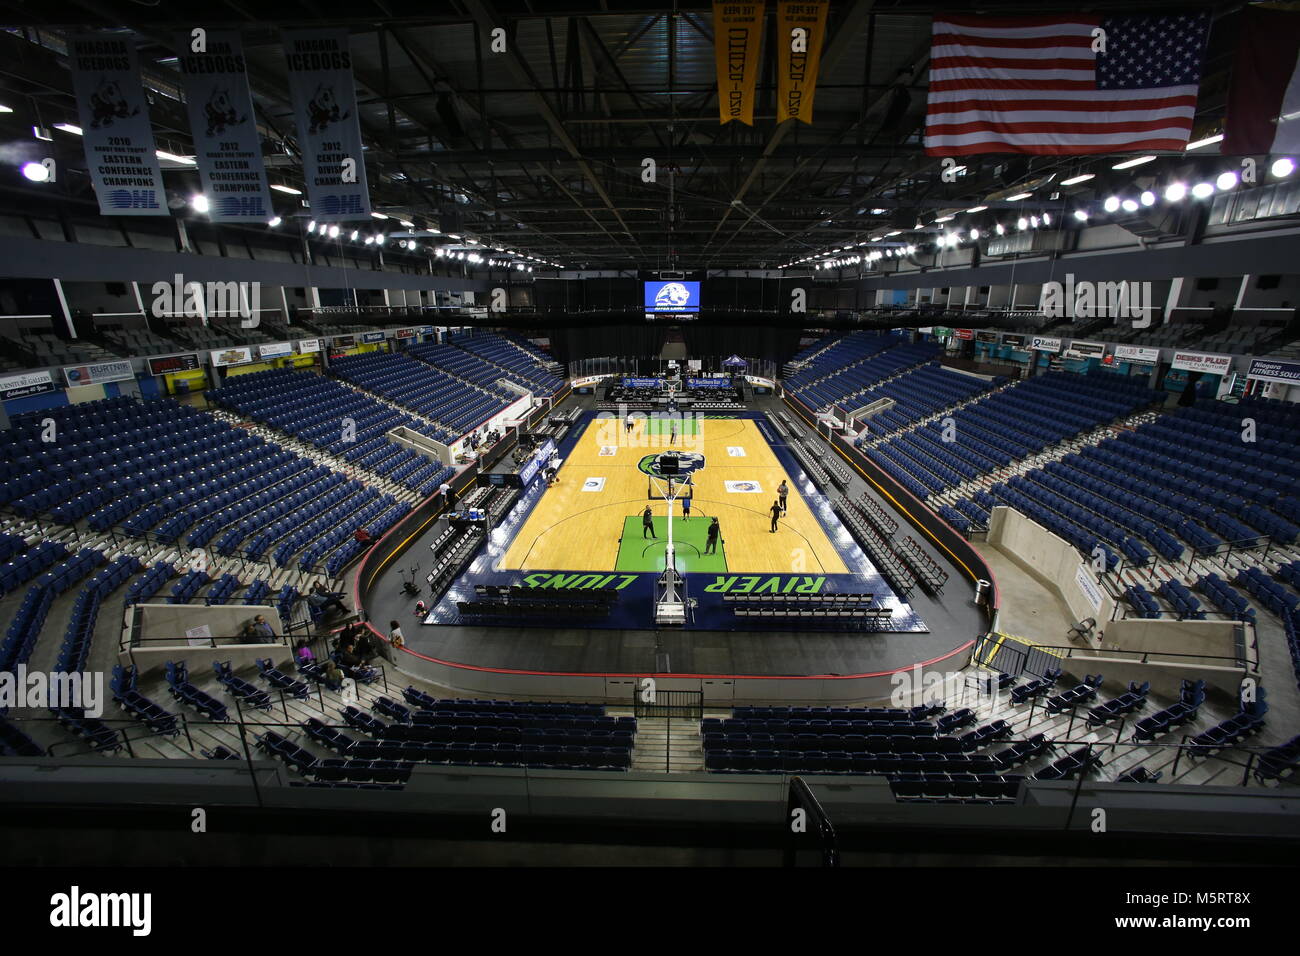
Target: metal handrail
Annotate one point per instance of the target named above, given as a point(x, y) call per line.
point(800, 796)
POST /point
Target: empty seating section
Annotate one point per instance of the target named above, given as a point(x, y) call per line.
point(901, 744)
point(486, 733)
point(1188, 472)
point(926, 569)
point(162, 469)
point(858, 611)
point(919, 393)
point(1001, 428)
point(425, 387)
point(841, 374)
point(336, 419)
point(520, 365)
point(518, 602)
point(877, 546)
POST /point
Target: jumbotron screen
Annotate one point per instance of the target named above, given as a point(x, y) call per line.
point(672, 297)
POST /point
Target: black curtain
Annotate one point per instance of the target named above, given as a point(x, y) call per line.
point(598, 341)
point(765, 342)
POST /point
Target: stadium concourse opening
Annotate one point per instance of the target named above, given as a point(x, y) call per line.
point(660, 422)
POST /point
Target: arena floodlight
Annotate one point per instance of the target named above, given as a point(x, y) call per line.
point(1081, 215)
point(1081, 178)
point(1283, 167)
point(311, 226)
point(1175, 192)
point(1129, 205)
point(1148, 198)
point(1226, 181)
point(1111, 204)
point(1208, 141)
point(1202, 190)
point(275, 221)
point(1135, 161)
point(280, 187)
point(36, 172)
point(1018, 196)
point(199, 203)
point(334, 232)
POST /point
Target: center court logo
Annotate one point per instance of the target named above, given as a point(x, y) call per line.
point(76, 909)
point(687, 462)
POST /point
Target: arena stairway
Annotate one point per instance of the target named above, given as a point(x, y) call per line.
point(662, 743)
point(311, 452)
point(1025, 465)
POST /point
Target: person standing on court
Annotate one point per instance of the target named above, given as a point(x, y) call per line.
point(629, 422)
point(648, 523)
point(782, 490)
point(672, 433)
point(711, 546)
point(776, 513)
point(686, 504)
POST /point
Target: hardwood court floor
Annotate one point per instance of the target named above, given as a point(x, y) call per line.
point(575, 530)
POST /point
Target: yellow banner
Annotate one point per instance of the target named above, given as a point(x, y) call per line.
point(737, 34)
point(800, 29)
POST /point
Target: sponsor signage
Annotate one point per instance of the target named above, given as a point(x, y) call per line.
point(232, 356)
point(1043, 344)
point(97, 374)
point(1086, 350)
point(308, 345)
point(30, 383)
point(758, 380)
point(986, 337)
point(586, 380)
point(174, 363)
point(406, 333)
point(708, 383)
point(1088, 587)
point(964, 334)
point(115, 131)
point(643, 382)
point(1015, 341)
point(274, 350)
point(1202, 362)
point(343, 341)
point(1271, 371)
point(1137, 353)
point(369, 337)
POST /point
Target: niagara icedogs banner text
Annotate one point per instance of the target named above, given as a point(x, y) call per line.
point(120, 151)
point(329, 132)
point(226, 144)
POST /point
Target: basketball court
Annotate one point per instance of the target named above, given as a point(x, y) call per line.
point(591, 519)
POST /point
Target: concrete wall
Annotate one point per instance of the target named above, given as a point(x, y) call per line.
point(1055, 562)
point(160, 636)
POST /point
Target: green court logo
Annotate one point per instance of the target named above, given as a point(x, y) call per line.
point(687, 462)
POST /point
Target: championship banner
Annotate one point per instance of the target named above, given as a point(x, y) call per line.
point(115, 131)
point(329, 131)
point(800, 29)
point(227, 147)
point(737, 34)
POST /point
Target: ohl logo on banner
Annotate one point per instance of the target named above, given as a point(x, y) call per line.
point(687, 463)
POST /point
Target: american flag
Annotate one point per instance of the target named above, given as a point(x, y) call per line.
point(1033, 84)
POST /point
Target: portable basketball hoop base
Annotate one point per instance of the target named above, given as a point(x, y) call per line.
point(672, 607)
